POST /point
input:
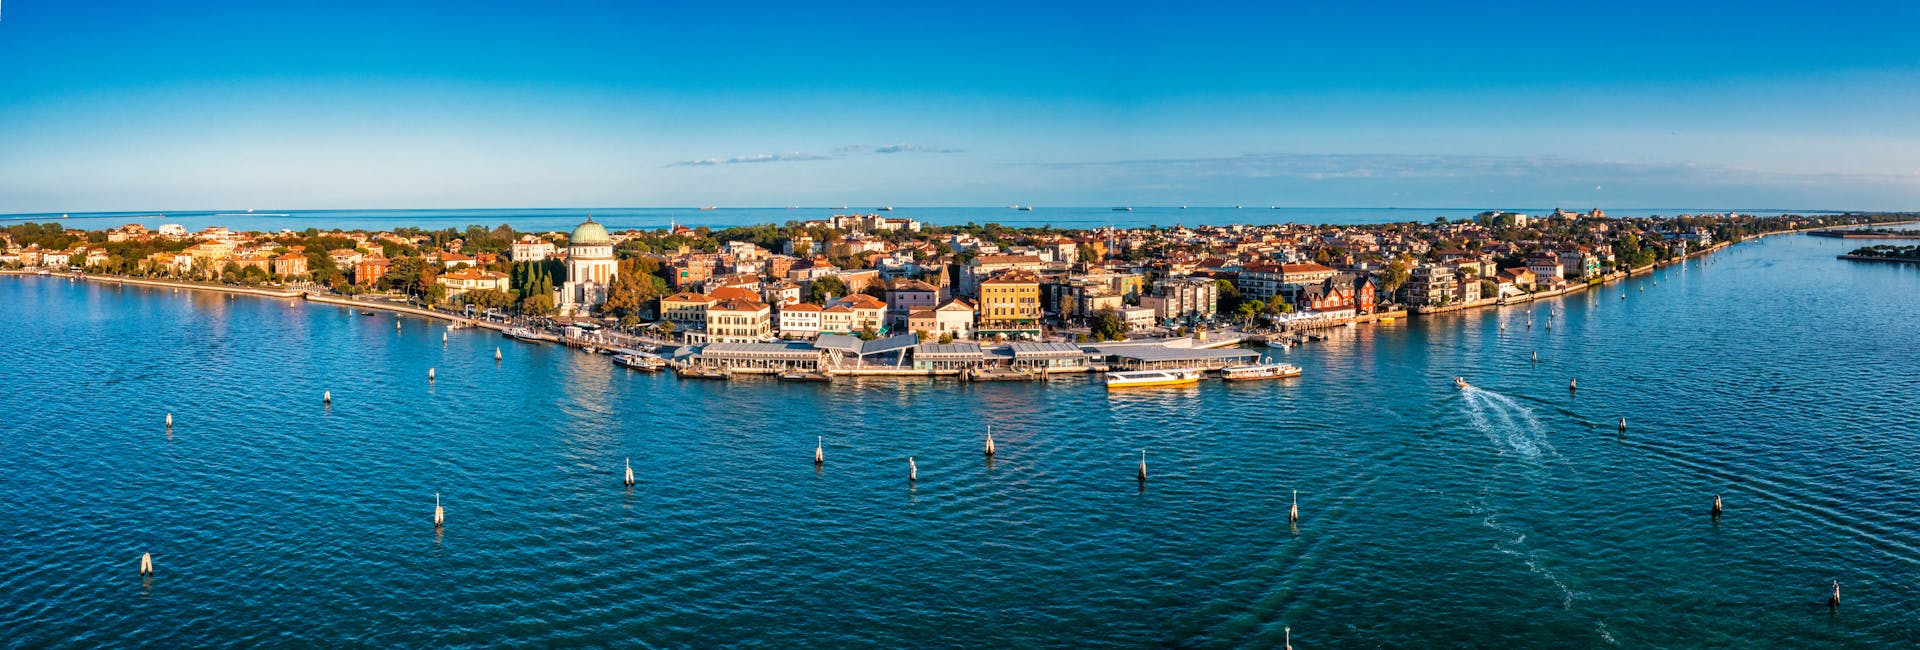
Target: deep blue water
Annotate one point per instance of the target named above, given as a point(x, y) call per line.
point(564, 219)
point(1514, 514)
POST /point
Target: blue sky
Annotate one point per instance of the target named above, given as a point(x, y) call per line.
point(198, 104)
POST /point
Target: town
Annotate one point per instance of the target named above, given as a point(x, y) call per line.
point(873, 294)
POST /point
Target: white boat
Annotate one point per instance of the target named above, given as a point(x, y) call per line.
point(644, 362)
point(1260, 371)
point(524, 334)
point(1280, 344)
point(1145, 378)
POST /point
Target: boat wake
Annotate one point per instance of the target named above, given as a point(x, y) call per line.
point(1508, 424)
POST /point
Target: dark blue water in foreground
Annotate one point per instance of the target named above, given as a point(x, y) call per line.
point(1509, 515)
point(564, 219)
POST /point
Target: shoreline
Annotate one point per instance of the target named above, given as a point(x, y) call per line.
point(1375, 318)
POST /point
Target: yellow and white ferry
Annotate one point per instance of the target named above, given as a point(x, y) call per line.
point(1145, 378)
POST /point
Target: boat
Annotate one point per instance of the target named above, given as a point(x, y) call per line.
point(1461, 382)
point(524, 334)
point(641, 362)
point(710, 207)
point(805, 375)
point(1123, 209)
point(1260, 371)
point(704, 372)
point(886, 208)
point(1025, 208)
point(983, 374)
point(1145, 378)
point(1280, 343)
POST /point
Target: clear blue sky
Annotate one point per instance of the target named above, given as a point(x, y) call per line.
point(193, 104)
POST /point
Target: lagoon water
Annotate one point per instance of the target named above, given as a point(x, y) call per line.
point(1511, 514)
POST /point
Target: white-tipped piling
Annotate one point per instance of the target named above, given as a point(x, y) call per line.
point(1623, 425)
point(429, 375)
point(146, 564)
point(629, 480)
point(169, 421)
point(496, 354)
point(913, 471)
point(1143, 465)
point(1536, 356)
point(989, 440)
point(443, 338)
point(1573, 384)
point(1289, 631)
point(439, 515)
point(396, 324)
point(1716, 505)
point(327, 398)
point(1293, 515)
point(819, 451)
point(1833, 600)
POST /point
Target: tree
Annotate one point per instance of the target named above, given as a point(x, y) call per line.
point(946, 338)
point(825, 288)
point(538, 305)
point(1230, 298)
point(1107, 326)
point(1395, 275)
point(867, 333)
point(1247, 310)
point(487, 298)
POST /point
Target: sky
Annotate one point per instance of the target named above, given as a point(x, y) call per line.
point(204, 104)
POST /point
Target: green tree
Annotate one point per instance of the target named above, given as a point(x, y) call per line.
point(1108, 326)
point(538, 305)
point(867, 333)
point(1395, 275)
point(1230, 298)
point(826, 288)
point(946, 338)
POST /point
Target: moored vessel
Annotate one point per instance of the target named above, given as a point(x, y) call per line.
point(1260, 371)
point(1146, 378)
point(642, 362)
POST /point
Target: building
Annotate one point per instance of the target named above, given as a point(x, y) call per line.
point(986, 266)
point(1138, 318)
point(1259, 281)
point(907, 296)
point(591, 268)
point(370, 269)
point(954, 317)
point(530, 249)
point(471, 279)
point(687, 310)
point(290, 265)
point(1010, 303)
point(799, 321)
point(1431, 285)
point(1194, 299)
point(739, 320)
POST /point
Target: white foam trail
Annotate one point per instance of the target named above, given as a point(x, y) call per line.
point(1508, 424)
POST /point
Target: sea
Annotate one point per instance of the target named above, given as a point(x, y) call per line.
point(564, 219)
point(1514, 513)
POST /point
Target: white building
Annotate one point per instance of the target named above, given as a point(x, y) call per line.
point(530, 249)
point(590, 269)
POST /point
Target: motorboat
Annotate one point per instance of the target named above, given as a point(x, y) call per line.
point(1461, 382)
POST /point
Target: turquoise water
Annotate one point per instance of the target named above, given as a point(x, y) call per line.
point(541, 220)
point(1513, 514)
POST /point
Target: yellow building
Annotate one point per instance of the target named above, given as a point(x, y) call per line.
point(1010, 303)
point(739, 320)
point(686, 310)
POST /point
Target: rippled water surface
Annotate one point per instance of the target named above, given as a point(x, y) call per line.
point(1513, 513)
